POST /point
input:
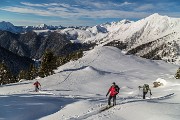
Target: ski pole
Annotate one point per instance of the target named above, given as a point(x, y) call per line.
point(139, 91)
point(150, 95)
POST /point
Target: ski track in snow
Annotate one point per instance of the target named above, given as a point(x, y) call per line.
point(121, 103)
point(80, 68)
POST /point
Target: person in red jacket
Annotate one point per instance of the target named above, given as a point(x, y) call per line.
point(37, 84)
point(113, 90)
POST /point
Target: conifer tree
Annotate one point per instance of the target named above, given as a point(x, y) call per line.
point(32, 72)
point(5, 75)
point(48, 64)
point(21, 75)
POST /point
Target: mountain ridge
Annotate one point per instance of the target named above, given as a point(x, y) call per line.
point(14, 62)
point(131, 35)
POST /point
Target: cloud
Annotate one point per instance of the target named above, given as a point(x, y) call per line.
point(157, 7)
point(104, 5)
point(32, 5)
point(126, 3)
point(45, 4)
point(58, 9)
point(64, 22)
point(73, 12)
point(116, 14)
point(174, 14)
point(88, 12)
point(28, 11)
point(102, 10)
point(145, 7)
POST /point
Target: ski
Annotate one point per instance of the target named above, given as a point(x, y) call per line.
point(106, 108)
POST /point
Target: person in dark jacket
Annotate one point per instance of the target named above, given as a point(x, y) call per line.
point(145, 90)
point(113, 90)
point(37, 84)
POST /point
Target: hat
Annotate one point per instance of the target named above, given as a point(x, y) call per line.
point(114, 83)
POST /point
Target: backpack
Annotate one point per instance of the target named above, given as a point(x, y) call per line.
point(145, 87)
point(117, 88)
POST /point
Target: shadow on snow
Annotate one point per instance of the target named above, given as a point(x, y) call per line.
point(30, 107)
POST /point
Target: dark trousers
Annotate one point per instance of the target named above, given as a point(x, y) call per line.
point(36, 88)
point(114, 100)
point(144, 95)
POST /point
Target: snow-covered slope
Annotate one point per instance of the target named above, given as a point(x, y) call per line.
point(76, 34)
point(78, 89)
point(142, 31)
point(153, 37)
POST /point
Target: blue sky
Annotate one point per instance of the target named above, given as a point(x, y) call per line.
point(83, 12)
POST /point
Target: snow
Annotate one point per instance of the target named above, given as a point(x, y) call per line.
point(164, 82)
point(41, 31)
point(154, 27)
point(77, 90)
point(76, 34)
point(41, 26)
point(163, 30)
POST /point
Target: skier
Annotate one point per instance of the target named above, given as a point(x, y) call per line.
point(113, 90)
point(37, 84)
point(177, 75)
point(145, 90)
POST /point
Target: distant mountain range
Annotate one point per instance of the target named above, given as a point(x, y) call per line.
point(7, 26)
point(154, 37)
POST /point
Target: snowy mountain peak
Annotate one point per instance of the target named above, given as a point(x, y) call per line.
point(97, 29)
point(125, 21)
point(41, 26)
point(9, 27)
point(155, 15)
point(163, 23)
point(6, 25)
